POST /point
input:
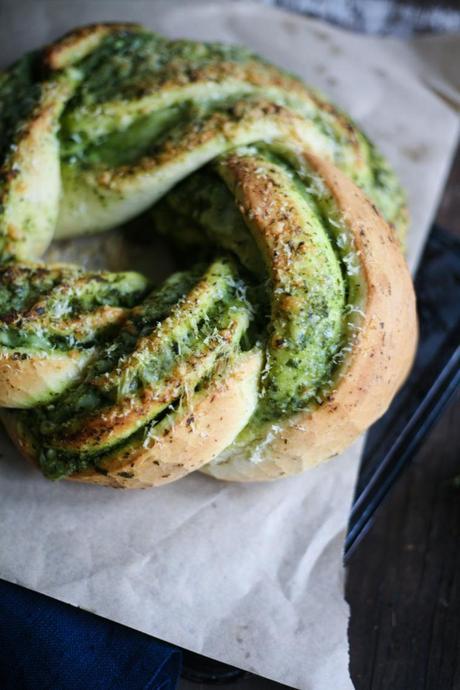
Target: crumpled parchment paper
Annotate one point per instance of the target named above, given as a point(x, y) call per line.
point(248, 574)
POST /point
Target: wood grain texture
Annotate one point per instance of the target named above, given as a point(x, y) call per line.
point(403, 583)
point(449, 209)
point(404, 580)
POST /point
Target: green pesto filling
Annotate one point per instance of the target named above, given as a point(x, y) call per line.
point(144, 136)
point(128, 64)
point(300, 356)
point(19, 95)
point(349, 312)
point(191, 341)
point(123, 147)
point(201, 211)
point(304, 320)
point(146, 317)
point(302, 346)
point(387, 193)
point(308, 296)
point(305, 349)
point(132, 65)
point(40, 307)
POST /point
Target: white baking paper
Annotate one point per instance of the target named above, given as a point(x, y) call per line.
point(248, 574)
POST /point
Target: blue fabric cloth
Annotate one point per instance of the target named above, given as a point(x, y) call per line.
point(47, 645)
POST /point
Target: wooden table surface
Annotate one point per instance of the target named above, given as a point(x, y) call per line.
point(403, 583)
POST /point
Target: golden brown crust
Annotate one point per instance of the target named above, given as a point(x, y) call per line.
point(35, 151)
point(24, 376)
point(78, 43)
point(199, 434)
point(241, 126)
point(379, 357)
point(118, 419)
point(375, 368)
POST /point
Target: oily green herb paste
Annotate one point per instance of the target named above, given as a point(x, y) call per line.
point(177, 129)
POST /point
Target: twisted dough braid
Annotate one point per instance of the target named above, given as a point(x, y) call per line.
point(51, 320)
point(261, 362)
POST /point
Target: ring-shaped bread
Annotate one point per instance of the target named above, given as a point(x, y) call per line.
point(273, 353)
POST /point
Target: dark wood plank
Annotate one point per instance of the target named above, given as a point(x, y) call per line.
point(403, 583)
point(449, 209)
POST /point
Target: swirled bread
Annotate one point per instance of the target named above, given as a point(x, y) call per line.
point(272, 353)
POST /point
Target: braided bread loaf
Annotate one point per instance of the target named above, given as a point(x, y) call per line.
point(273, 353)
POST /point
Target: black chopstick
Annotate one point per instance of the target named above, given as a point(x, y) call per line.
point(402, 450)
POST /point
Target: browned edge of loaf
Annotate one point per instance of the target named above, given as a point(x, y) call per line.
point(380, 358)
point(203, 428)
point(25, 376)
point(78, 43)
